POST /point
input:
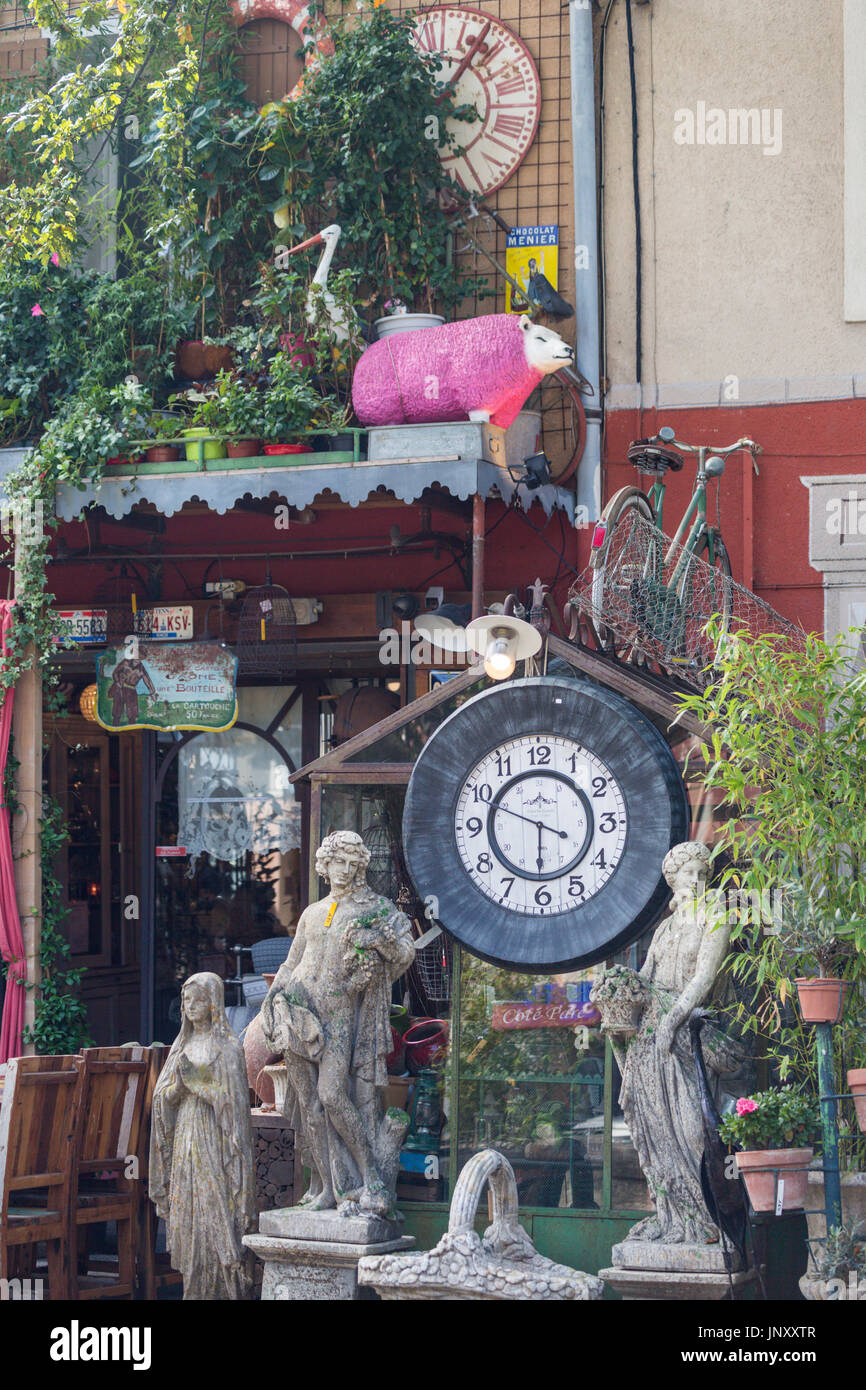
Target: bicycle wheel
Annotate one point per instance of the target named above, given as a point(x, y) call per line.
point(563, 424)
point(706, 591)
point(626, 583)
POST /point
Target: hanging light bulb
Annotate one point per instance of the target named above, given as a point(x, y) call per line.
point(87, 702)
point(499, 658)
point(502, 640)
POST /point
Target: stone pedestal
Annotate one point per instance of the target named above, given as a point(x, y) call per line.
point(648, 1270)
point(313, 1255)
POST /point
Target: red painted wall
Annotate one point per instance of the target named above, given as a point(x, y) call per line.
point(798, 440)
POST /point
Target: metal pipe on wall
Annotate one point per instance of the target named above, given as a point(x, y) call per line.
point(586, 246)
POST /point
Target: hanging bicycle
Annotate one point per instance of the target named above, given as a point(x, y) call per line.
point(652, 593)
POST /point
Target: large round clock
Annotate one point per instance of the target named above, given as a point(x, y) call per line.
point(491, 69)
point(537, 817)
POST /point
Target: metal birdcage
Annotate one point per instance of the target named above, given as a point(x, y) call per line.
point(115, 595)
point(267, 639)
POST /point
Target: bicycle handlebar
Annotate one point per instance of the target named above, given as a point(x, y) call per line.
point(717, 449)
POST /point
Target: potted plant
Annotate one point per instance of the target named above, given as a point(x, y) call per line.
point(788, 757)
point(290, 406)
point(619, 996)
point(238, 408)
point(774, 1132)
point(398, 319)
point(837, 1266)
point(819, 941)
point(163, 428)
point(857, 1087)
point(206, 421)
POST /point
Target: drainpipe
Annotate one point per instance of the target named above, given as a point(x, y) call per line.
point(586, 236)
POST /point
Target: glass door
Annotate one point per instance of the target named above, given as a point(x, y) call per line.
point(228, 847)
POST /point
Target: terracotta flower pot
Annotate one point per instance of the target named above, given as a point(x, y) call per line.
point(189, 360)
point(258, 1055)
point(857, 1087)
point(162, 453)
point(758, 1169)
point(822, 999)
point(244, 448)
point(217, 359)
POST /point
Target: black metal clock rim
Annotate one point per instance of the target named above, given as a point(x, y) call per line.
point(500, 854)
point(583, 934)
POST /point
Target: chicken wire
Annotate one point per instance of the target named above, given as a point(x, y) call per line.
point(651, 602)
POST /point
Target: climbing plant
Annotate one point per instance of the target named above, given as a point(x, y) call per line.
point(357, 143)
point(60, 1024)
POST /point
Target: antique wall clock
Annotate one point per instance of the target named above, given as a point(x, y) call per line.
point(491, 69)
point(538, 814)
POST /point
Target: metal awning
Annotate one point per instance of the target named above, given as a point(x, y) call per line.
point(466, 458)
point(351, 482)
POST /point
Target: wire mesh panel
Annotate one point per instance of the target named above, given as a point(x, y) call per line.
point(650, 600)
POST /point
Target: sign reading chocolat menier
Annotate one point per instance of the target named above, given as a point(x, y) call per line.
point(159, 685)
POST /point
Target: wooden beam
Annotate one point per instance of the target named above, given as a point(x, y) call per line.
point(477, 555)
point(617, 676)
point(27, 823)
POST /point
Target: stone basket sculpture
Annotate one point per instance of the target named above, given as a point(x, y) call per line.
point(501, 1264)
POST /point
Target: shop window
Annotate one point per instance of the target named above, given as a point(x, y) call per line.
point(228, 836)
point(404, 744)
point(532, 1081)
point(271, 60)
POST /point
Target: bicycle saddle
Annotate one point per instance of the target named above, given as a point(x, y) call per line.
point(650, 457)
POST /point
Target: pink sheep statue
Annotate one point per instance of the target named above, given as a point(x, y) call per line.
point(483, 369)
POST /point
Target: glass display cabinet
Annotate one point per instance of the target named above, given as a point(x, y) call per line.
point(483, 1057)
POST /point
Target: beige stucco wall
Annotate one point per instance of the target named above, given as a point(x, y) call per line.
point(742, 251)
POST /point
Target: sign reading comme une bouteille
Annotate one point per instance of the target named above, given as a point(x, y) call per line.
point(159, 685)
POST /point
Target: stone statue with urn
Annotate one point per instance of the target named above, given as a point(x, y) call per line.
point(327, 1014)
point(645, 1014)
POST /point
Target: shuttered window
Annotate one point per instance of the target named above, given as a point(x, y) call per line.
point(271, 59)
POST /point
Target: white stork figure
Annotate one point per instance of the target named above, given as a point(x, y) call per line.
point(342, 322)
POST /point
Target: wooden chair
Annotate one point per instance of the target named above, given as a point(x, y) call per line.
point(37, 1118)
point(106, 1186)
point(154, 1271)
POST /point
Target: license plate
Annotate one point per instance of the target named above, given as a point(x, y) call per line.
point(173, 624)
point(84, 624)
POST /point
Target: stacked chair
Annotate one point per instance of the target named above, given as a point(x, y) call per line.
point(74, 1140)
point(37, 1119)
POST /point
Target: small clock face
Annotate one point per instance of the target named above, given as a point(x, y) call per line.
point(492, 71)
point(540, 824)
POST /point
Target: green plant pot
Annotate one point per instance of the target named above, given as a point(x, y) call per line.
point(213, 448)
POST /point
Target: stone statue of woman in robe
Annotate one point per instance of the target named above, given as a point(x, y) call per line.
point(659, 1094)
point(201, 1149)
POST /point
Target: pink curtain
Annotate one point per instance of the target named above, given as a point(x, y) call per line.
point(11, 939)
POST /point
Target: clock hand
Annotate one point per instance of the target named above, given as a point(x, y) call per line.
point(539, 863)
point(497, 806)
point(473, 49)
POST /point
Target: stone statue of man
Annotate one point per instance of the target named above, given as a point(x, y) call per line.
point(327, 1013)
point(659, 1094)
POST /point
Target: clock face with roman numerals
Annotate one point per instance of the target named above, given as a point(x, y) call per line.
point(537, 818)
point(491, 70)
point(540, 824)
